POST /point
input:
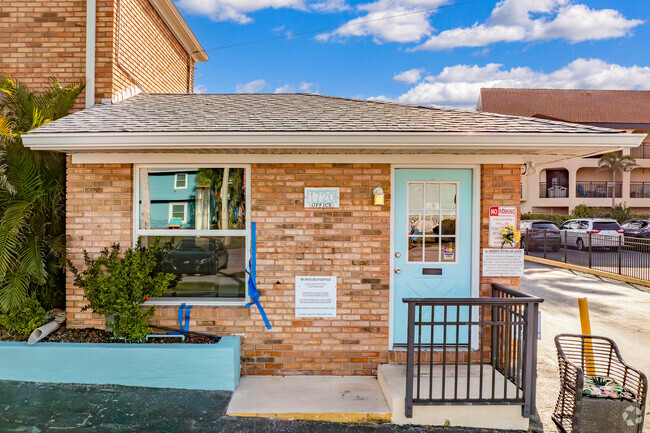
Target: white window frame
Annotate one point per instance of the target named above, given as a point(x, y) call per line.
point(246, 232)
point(441, 210)
point(176, 181)
point(171, 210)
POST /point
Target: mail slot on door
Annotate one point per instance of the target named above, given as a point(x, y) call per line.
point(431, 271)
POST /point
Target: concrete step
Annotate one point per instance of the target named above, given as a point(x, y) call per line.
point(323, 398)
point(392, 380)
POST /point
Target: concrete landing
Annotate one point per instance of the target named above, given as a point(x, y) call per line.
point(392, 379)
point(324, 398)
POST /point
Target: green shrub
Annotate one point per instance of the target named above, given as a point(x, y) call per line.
point(583, 211)
point(621, 213)
point(119, 286)
point(24, 319)
point(556, 219)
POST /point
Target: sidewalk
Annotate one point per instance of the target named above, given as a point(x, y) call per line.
point(28, 407)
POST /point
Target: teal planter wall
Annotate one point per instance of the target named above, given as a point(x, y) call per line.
point(177, 365)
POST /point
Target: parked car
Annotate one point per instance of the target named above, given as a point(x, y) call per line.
point(637, 228)
point(603, 232)
point(203, 256)
point(539, 234)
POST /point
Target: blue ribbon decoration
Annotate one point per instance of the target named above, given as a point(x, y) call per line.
point(253, 293)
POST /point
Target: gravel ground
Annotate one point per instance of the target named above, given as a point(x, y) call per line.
point(35, 408)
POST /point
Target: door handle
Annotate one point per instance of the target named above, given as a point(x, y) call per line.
point(398, 270)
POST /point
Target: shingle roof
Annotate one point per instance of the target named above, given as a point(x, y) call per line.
point(290, 113)
point(579, 106)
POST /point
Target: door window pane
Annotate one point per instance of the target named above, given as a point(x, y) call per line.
point(415, 248)
point(432, 223)
point(448, 249)
point(448, 225)
point(415, 224)
point(416, 196)
point(448, 196)
point(432, 196)
point(432, 249)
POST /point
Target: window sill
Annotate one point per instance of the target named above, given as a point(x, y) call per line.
point(176, 302)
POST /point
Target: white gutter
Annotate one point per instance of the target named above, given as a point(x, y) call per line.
point(131, 142)
point(91, 23)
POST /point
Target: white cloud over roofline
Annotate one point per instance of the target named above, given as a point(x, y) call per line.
point(459, 86)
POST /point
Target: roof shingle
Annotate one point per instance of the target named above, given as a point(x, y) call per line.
point(150, 112)
point(579, 106)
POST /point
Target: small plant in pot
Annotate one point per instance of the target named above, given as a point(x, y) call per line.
point(118, 286)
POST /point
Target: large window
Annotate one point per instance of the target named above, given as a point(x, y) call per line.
point(203, 213)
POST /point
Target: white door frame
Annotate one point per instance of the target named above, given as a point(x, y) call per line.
point(476, 231)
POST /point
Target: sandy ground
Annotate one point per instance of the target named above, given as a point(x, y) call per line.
point(618, 310)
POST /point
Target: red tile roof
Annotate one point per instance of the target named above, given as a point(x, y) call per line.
point(579, 106)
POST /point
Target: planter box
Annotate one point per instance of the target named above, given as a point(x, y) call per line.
point(175, 365)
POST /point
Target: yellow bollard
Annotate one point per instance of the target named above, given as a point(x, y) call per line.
point(586, 330)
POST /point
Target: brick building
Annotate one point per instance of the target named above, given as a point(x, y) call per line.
point(117, 47)
point(440, 171)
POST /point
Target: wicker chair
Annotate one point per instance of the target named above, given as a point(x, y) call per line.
point(581, 355)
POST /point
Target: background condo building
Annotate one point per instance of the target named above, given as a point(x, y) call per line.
point(559, 186)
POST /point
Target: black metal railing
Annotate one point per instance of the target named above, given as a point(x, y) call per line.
point(599, 189)
point(621, 255)
point(642, 151)
point(639, 189)
point(553, 191)
point(472, 351)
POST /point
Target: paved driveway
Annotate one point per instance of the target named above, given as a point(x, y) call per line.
point(35, 408)
point(618, 311)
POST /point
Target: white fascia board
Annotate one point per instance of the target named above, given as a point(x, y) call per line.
point(179, 27)
point(366, 140)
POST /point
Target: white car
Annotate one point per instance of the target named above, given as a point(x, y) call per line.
point(603, 232)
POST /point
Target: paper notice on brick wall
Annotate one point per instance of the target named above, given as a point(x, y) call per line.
point(503, 262)
point(315, 296)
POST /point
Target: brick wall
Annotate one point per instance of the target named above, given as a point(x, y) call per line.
point(41, 39)
point(98, 213)
point(350, 242)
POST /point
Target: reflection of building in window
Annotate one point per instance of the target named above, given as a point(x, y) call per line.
point(180, 181)
point(178, 211)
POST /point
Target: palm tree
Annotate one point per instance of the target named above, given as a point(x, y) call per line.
point(616, 163)
point(211, 179)
point(32, 196)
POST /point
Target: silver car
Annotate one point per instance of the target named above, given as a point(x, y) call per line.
point(600, 232)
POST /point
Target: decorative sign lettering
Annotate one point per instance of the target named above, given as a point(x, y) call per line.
point(315, 296)
point(500, 217)
point(503, 262)
point(321, 197)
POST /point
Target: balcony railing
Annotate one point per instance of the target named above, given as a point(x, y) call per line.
point(553, 191)
point(599, 189)
point(640, 189)
point(472, 351)
point(642, 151)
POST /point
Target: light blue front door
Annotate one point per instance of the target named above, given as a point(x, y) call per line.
point(432, 238)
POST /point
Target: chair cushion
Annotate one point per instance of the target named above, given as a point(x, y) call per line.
point(606, 387)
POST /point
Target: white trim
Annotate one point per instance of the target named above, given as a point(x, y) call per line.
point(217, 233)
point(134, 141)
point(171, 210)
point(91, 23)
point(476, 233)
point(178, 26)
point(239, 158)
point(176, 181)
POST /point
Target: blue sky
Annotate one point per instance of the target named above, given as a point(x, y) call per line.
point(390, 50)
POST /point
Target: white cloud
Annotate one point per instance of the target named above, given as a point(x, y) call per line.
point(409, 77)
point(200, 88)
point(459, 85)
point(254, 86)
point(388, 21)
point(302, 87)
point(512, 20)
point(237, 10)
